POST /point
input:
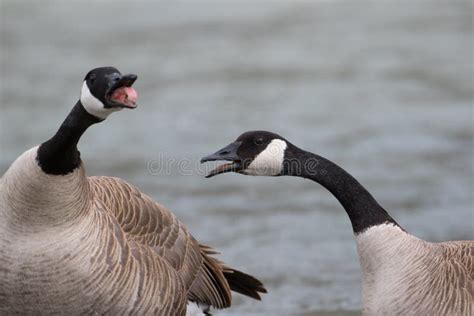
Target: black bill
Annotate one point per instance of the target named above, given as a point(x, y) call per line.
point(228, 153)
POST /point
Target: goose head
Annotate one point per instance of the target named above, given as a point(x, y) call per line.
point(105, 90)
point(257, 153)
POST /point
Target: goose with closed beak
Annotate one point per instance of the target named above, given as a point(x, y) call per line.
point(402, 274)
point(77, 245)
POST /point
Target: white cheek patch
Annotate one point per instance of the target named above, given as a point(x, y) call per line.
point(93, 105)
point(270, 161)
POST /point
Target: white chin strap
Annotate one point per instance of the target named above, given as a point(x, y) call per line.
point(93, 105)
point(270, 161)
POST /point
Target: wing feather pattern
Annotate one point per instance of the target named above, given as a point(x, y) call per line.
point(146, 222)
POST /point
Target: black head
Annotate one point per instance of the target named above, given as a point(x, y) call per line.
point(106, 90)
point(259, 153)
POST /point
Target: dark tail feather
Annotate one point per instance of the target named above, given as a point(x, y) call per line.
point(244, 284)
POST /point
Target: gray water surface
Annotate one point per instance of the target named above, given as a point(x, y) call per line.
point(383, 89)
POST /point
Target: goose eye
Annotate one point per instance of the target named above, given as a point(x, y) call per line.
point(92, 78)
point(259, 141)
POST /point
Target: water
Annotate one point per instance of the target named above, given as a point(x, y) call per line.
point(385, 90)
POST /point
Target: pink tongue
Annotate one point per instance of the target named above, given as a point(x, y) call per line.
point(126, 96)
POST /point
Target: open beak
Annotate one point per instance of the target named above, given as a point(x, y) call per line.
point(228, 153)
point(121, 94)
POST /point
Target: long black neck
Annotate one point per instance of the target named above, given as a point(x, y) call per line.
point(59, 155)
point(362, 208)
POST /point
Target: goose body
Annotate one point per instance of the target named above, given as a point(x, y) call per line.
point(64, 253)
point(71, 244)
point(405, 275)
point(402, 274)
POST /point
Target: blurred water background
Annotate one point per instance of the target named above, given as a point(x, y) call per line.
point(385, 89)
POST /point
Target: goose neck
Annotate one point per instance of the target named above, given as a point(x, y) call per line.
point(59, 155)
point(361, 207)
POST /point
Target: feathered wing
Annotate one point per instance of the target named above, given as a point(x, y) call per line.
point(143, 220)
point(237, 281)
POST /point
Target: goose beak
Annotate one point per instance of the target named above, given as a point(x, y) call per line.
point(121, 94)
point(228, 153)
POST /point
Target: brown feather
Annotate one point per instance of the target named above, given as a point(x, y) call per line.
point(152, 225)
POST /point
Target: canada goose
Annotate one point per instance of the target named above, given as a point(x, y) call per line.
point(402, 275)
point(76, 245)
